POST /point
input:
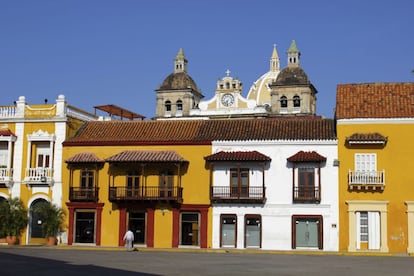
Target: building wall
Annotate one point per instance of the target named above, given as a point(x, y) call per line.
point(395, 158)
point(48, 122)
point(194, 181)
point(278, 209)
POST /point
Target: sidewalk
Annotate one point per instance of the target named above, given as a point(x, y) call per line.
point(210, 250)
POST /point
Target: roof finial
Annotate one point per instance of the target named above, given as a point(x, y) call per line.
point(274, 60)
point(180, 62)
point(293, 55)
point(228, 73)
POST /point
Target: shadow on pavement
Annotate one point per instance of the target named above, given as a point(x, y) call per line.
point(14, 264)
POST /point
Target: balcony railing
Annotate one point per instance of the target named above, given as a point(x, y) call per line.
point(366, 179)
point(7, 111)
point(306, 195)
point(84, 194)
point(238, 194)
point(6, 174)
point(39, 176)
point(148, 193)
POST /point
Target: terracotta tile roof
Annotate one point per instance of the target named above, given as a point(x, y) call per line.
point(135, 132)
point(84, 157)
point(6, 132)
point(375, 100)
point(366, 138)
point(146, 156)
point(237, 156)
point(200, 131)
point(309, 156)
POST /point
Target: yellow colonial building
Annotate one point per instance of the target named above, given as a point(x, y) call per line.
point(146, 176)
point(375, 129)
point(31, 137)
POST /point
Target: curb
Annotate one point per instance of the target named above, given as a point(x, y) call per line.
point(210, 250)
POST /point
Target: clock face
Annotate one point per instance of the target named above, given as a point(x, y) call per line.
point(227, 100)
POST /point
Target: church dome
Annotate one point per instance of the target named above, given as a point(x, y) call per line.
point(292, 76)
point(176, 81)
point(260, 90)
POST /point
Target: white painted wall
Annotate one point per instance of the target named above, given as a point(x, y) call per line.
point(277, 212)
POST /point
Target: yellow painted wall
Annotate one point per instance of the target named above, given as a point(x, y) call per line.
point(195, 184)
point(396, 159)
point(163, 228)
point(26, 194)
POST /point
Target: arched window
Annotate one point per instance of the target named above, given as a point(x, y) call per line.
point(296, 101)
point(283, 102)
point(179, 105)
point(168, 106)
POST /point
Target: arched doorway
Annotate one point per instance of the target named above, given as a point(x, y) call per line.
point(2, 233)
point(35, 224)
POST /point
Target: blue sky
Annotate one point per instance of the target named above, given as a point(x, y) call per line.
point(98, 52)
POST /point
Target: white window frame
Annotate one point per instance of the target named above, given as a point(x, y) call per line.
point(365, 162)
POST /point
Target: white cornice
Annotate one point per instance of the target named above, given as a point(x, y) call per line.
point(360, 121)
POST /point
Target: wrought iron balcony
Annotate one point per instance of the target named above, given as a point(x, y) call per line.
point(238, 194)
point(366, 180)
point(146, 193)
point(84, 194)
point(306, 195)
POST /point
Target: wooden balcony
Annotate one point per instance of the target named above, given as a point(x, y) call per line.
point(306, 195)
point(81, 194)
point(369, 180)
point(226, 194)
point(149, 193)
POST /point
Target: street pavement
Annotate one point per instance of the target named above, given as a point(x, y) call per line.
point(61, 261)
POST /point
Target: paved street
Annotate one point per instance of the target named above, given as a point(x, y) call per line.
point(54, 261)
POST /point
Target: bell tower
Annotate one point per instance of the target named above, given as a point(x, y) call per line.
point(178, 93)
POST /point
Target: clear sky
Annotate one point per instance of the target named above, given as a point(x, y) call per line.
point(98, 52)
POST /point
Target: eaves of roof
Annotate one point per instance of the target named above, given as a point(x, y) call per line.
point(84, 157)
point(366, 138)
point(237, 156)
point(146, 156)
point(6, 132)
point(309, 156)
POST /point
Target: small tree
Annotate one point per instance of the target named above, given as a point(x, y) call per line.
point(52, 216)
point(13, 217)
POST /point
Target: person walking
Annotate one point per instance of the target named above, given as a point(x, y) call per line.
point(129, 240)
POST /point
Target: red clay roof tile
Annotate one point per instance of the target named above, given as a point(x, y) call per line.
point(200, 131)
point(375, 100)
point(84, 157)
point(309, 156)
point(371, 138)
point(146, 156)
point(237, 156)
point(6, 132)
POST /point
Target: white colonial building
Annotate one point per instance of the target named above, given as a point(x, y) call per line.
point(279, 194)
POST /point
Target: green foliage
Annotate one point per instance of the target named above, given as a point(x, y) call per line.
point(13, 217)
point(52, 216)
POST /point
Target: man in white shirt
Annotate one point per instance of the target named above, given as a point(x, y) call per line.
point(129, 240)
